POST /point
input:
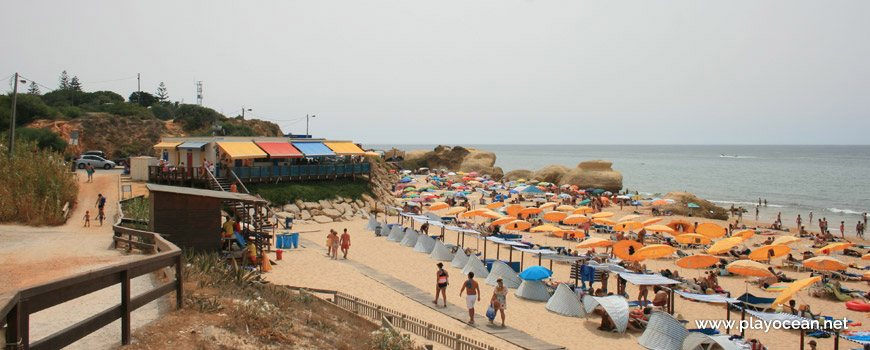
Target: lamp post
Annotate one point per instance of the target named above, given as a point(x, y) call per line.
point(243, 114)
point(12, 123)
point(307, 118)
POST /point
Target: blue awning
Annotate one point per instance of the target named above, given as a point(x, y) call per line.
point(192, 145)
point(314, 149)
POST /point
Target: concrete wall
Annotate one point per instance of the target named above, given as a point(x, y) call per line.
point(139, 167)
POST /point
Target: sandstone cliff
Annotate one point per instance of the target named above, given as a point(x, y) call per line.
point(594, 174)
point(456, 159)
point(552, 173)
point(682, 199)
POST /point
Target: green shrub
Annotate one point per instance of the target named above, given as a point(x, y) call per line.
point(289, 192)
point(35, 184)
point(44, 138)
point(122, 108)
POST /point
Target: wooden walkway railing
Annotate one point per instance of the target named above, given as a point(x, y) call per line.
point(17, 306)
point(399, 320)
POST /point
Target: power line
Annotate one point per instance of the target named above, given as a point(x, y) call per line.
point(109, 81)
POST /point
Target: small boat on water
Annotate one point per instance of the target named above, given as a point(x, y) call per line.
point(724, 156)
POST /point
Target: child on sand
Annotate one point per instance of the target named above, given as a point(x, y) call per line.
point(87, 219)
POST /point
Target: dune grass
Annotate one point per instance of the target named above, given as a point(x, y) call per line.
point(34, 185)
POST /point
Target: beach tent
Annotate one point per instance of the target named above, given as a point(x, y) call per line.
point(433, 216)
point(663, 332)
point(615, 305)
point(474, 265)
point(410, 238)
point(533, 290)
point(696, 340)
point(425, 244)
point(509, 277)
point(373, 224)
point(385, 230)
point(565, 302)
point(441, 252)
point(396, 234)
point(459, 259)
point(682, 226)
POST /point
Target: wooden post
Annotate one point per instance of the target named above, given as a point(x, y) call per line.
point(125, 307)
point(802, 339)
point(13, 325)
point(728, 318)
point(742, 318)
point(179, 282)
point(484, 251)
point(836, 341)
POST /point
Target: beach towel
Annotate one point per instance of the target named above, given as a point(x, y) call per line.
point(777, 287)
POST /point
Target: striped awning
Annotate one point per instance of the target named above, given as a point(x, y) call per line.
point(314, 149)
point(241, 150)
point(192, 145)
point(280, 149)
point(345, 148)
point(164, 145)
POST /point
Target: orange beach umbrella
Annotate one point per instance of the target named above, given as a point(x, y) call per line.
point(495, 205)
point(456, 210)
point(575, 219)
point(438, 206)
point(555, 216)
point(545, 228)
point(660, 228)
point(744, 234)
point(565, 208)
point(582, 210)
point(593, 242)
point(793, 288)
point(503, 221)
point(604, 221)
point(620, 249)
point(627, 226)
point(748, 268)
point(693, 238)
point(547, 205)
point(648, 222)
point(711, 230)
point(698, 261)
point(653, 251)
point(514, 210)
point(825, 263)
point(724, 245)
point(518, 225)
point(786, 240)
point(603, 214)
point(833, 247)
point(530, 211)
point(769, 252)
point(686, 226)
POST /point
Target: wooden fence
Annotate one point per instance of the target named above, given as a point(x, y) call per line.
point(400, 320)
point(17, 306)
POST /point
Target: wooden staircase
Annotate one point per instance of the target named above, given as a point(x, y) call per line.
point(255, 215)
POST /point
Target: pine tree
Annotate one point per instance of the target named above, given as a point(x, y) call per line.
point(34, 89)
point(64, 81)
point(75, 84)
point(162, 93)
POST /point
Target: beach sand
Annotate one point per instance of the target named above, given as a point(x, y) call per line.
point(308, 266)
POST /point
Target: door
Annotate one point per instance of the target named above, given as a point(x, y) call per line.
point(189, 163)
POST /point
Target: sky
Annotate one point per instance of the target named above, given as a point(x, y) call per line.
point(479, 71)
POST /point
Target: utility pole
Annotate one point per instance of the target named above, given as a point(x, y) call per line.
point(243, 115)
point(306, 124)
point(138, 89)
point(12, 125)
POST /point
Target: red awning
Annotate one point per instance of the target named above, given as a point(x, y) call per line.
point(280, 149)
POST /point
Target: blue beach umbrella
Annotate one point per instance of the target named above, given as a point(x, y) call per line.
point(564, 195)
point(513, 191)
point(636, 203)
point(535, 273)
point(693, 205)
point(585, 201)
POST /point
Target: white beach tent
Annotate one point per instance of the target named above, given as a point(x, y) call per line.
point(663, 332)
point(697, 340)
point(565, 302)
point(373, 224)
point(410, 239)
point(385, 230)
point(533, 290)
point(459, 259)
point(615, 305)
point(474, 265)
point(509, 277)
point(441, 252)
point(425, 244)
point(396, 234)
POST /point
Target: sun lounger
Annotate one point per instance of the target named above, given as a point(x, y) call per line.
point(756, 303)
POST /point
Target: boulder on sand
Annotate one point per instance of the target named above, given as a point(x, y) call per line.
point(320, 219)
point(515, 175)
point(552, 174)
point(682, 200)
point(594, 174)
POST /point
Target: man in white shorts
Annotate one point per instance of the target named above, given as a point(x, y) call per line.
point(472, 295)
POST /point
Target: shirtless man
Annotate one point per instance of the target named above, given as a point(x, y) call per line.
point(661, 298)
point(472, 296)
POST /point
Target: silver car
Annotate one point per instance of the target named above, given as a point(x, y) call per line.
point(95, 161)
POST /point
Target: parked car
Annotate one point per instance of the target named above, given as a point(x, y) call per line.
point(100, 154)
point(95, 161)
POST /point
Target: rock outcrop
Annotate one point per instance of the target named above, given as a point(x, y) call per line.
point(594, 174)
point(682, 200)
point(515, 175)
point(552, 173)
point(415, 154)
point(456, 159)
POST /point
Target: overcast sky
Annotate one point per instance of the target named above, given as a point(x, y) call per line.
point(476, 72)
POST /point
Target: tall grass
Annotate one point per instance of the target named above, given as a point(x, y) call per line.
point(138, 208)
point(34, 185)
point(288, 192)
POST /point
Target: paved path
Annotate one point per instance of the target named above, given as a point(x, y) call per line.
point(509, 334)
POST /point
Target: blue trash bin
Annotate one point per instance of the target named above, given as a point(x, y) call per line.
point(280, 241)
point(294, 239)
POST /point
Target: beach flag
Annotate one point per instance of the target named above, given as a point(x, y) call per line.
point(424, 244)
point(509, 277)
point(474, 265)
point(396, 234)
point(459, 259)
point(533, 290)
point(441, 252)
point(565, 302)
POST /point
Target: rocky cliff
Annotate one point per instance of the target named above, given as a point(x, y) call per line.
point(682, 199)
point(456, 159)
point(594, 174)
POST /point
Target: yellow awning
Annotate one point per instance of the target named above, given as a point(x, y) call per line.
point(344, 148)
point(167, 145)
point(242, 150)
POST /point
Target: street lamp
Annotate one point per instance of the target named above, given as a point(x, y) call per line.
point(243, 114)
point(12, 123)
point(306, 124)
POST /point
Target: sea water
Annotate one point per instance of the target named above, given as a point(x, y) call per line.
point(831, 181)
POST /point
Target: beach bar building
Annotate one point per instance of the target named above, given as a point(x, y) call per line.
point(185, 160)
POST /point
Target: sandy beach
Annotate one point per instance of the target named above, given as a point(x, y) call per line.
point(308, 266)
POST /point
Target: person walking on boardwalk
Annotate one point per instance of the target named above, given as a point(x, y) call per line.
point(441, 284)
point(345, 243)
point(472, 295)
point(499, 299)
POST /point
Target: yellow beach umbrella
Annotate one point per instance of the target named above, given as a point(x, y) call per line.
point(575, 219)
point(604, 221)
point(627, 226)
point(825, 263)
point(653, 251)
point(473, 213)
point(620, 249)
point(865, 257)
point(593, 242)
point(456, 210)
point(745, 234)
point(785, 240)
point(833, 247)
point(545, 228)
point(582, 210)
point(489, 214)
point(438, 206)
point(660, 228)
point(748, 268)
point(518, 225)
point(724, 245)
point(565, 208)
point(555, 216)
point(648, 222)
point(769, 252)
point(693, 238)
point(548, 205)
point(711, 230)
point(530, 211)
point(793, 288)
point(603, 214)
point(698, 261)
point(628, 217)
point(514, 210)
point(561, 233)
point(495, 205)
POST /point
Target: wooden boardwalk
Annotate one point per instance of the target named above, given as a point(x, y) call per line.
point(508, 334)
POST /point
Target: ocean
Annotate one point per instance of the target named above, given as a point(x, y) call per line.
point(830, 181)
